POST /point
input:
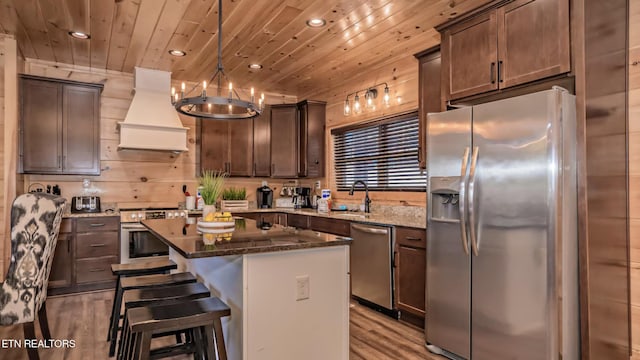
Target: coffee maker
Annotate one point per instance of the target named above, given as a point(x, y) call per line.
point(302, 198)
point(264, 197)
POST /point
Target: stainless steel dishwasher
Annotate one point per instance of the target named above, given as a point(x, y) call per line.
point(371, 258)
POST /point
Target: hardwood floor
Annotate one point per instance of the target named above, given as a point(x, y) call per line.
point(84, 318)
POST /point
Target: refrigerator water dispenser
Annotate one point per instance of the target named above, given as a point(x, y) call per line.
point(445, 196)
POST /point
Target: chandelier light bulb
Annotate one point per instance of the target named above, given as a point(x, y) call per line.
point(173, 91)
point(230, 90)
point(252, 95)
point(399, 99)
point(204, 89)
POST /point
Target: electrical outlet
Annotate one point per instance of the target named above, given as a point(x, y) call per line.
point(318, 185)
point(302, 287)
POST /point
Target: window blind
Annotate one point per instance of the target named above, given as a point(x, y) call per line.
point(383, 153)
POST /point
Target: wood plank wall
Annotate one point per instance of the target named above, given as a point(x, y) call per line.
point(401, 73)
point(10, 65)
point(133, 176)
point(634, 171)
point(3, 258)
point(602, 99)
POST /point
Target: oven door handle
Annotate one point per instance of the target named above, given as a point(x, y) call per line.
point(134, 227)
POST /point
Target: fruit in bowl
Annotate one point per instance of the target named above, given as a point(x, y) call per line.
point(219, 217)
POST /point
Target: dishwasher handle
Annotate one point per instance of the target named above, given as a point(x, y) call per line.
point(370, 230)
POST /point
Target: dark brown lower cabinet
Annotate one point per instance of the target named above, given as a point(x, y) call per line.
point(410, 274)
point(265, 217)
point(330, 226)
point(62, 269)
point(298, 221)
point(84, 253)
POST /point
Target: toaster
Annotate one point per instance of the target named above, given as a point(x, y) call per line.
point(85, 204)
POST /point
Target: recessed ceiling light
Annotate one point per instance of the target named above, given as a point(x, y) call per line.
point(316, 22)
point(79, 35)
point(175, 52)
point(255, 66)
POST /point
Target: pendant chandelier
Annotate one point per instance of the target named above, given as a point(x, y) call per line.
point(217, 107)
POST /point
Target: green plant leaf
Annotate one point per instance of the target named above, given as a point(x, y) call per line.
point(211, 183)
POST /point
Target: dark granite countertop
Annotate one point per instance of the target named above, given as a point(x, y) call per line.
point(246, 238)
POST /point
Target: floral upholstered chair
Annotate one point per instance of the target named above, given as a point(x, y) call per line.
point(35, 222)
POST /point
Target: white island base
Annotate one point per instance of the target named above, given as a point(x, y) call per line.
point(267, 320)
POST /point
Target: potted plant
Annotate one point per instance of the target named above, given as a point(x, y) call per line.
point(235, 199)
point(211, 183)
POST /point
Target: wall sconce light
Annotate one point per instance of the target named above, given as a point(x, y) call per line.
point(370, 96)
point(356, 104)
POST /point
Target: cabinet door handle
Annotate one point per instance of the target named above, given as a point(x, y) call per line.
point(395, 259)
point(413, 238)
point(96, 270)
point(254, 169)
point(97, 245)
point(96, 225)
point(493, 72)
point(500, 69)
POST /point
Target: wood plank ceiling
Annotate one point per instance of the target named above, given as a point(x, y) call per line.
point(125, 33)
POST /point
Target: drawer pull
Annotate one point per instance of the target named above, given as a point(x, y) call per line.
point(96, 225)
point(98, 245)
point(413, 238)
point(96, 270)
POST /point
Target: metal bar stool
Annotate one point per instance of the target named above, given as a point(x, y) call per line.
point(127, 270)
point(202, 316)
point(176, 294)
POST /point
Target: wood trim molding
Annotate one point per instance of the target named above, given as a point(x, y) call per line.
point(578, 66)
point(10, 147)
point(466, 16)
point(63, 81)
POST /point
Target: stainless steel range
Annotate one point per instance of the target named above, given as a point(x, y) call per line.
point(137, 242)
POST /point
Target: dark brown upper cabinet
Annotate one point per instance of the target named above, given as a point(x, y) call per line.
point(284, 141)
point(311, 146)
point(59, 127)
point(429, 91)
point(297, 139)
point(262, 144)
point(505, 44)
point(225, 144)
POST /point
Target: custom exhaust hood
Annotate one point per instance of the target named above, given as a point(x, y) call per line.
point(152, 123)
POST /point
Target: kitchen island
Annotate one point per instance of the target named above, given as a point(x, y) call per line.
point(288, 289)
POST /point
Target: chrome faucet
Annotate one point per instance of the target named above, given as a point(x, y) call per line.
point(367, 201)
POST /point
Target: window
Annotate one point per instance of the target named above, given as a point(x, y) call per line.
point(384, 153)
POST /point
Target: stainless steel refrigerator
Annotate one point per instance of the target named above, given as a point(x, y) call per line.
point(502, 236)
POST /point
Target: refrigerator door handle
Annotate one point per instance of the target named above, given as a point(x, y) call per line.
point(472, 215)
point(462, 200)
